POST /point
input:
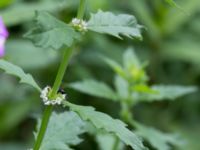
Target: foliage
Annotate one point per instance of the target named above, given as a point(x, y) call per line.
point(138, 93)
point(132, 87)
point(63, 131)
point(106, 141)
point(108, 23)
point(105, 122)
point(95, 88)
point(47, 31)
point(158, 139)
point(162, 92)
point(17, 71)
point(131, 78)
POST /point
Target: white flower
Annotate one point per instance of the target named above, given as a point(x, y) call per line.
point(57, 101)
point(79, 24)
point(75, 21)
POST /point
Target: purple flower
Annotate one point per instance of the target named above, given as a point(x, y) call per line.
point(3, 36)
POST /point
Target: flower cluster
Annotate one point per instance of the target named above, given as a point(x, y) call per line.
point(45, 97)
point(79, 24)
point(3, 37)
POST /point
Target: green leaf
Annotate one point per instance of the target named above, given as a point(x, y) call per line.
point(26, 11)
point(94, 88)
point(115, 25)
point(159, 140)
point(51, 32)
point(14, 113)
point(62, 132)
point(134, 68)
point(130, 59)
point(173, 3)
point(108, 124)
point(17, 71)
point(143, 88)
point(115, 66)
point(122, 87)
point(177, 49)
point(107, 141)
point(167, 92)
point(20, 52)
point(12, 146)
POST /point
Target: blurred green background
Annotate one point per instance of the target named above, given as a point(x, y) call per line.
point(171, 45)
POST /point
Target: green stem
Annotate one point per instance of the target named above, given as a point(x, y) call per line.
point(81, 9)
point(57, 83)
point(45, 120)
point(48, 109)
point(61, 71)
point(116, 144)
point(125, 112)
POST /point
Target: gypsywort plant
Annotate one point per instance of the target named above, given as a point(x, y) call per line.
point(60, 131)
point(130, 88)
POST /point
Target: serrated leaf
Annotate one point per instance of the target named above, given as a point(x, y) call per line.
point(51, 32)
point(62, 132)
point(115, 25)
point(167, 92)
point(108, 124)
point(17, 71)
point(94, 88)
point(159, 140)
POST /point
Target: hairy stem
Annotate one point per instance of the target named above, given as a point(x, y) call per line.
point(48, 109)
point(81, 9)
point(44, 123)
point(61, 71)
point(57, 83)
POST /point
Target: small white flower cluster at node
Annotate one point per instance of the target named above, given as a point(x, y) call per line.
point(57, 101)
point(79, 24)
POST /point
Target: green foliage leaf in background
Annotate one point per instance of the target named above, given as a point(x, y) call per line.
point(131, 87)
point(131, 83)
point(159, 140)
point(94, 88)
point(21, 51)
point(26, 11)
point(17, 71)
point(167, 92)
point(172, 3)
